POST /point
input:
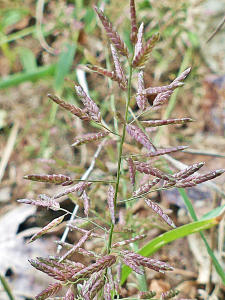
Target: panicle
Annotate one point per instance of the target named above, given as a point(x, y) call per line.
point(134, 30)
point(160, 212)
point(164, 151)
point(140, 136)
point(131, 240)
point(110, 200)
point(147, 169)
point(146, 295)
point(51, 290)
point(143, 55)
point(45, 201)
point(77, 187)
point(91, 106)
point(144, 189)
point(53, 178)
point(132, 169)
point(45, 229)
point(91, 138)
point(101, 264)
point(112, 75)
point(141, 99)
point(155, 123)
point(75, 247)
point(139, 45)
point(170, 294)
point(112, 33)
point(119, 69)
point(71, 108)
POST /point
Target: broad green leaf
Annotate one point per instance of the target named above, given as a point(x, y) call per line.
point(170, 236)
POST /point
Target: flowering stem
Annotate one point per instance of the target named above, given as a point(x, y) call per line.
point(120, 154)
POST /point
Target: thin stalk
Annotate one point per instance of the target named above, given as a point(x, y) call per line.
point(120, 155)
point(6, 287)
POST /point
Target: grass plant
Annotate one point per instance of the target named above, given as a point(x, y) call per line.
point(103, 278)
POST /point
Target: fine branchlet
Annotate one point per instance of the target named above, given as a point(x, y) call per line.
point(101, 277)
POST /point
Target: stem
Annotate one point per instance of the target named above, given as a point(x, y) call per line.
point(120, 155)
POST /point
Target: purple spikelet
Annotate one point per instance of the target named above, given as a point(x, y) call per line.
point(54, 178)
point(90, 283)
point(132, 169)
point(70, 107)
point(131, 240)
point(170, 294)
point(134, 266)
point(75, 247)
point(45, 229)
point(160, 212)
point(141, 99)
point(101, 264)
point(112, 33)
point(91, 138)
point(146, 295)
point(161, 97)
point(143, 55)
point(138, 45)
point(86, 203)
point(51, 290)
point(77, 187)
point(150, 263)
point(155, 123)
point(110, 200)
point(144, 189)
point(91, 106)
point(107, 291)
point(69, 295)
point(133, 36)
point(45, 201)
point(147, 169)
point(194, 180)
point(119, 69)
point(140, 136)
point(112, 75)
point(165, 151)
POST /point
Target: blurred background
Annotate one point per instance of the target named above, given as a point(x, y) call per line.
point(44, 47)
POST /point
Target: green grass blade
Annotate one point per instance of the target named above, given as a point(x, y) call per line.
point(170, 236)
point(16, 79)
point(190, 208)
point(6, 287)
point(64, 65)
